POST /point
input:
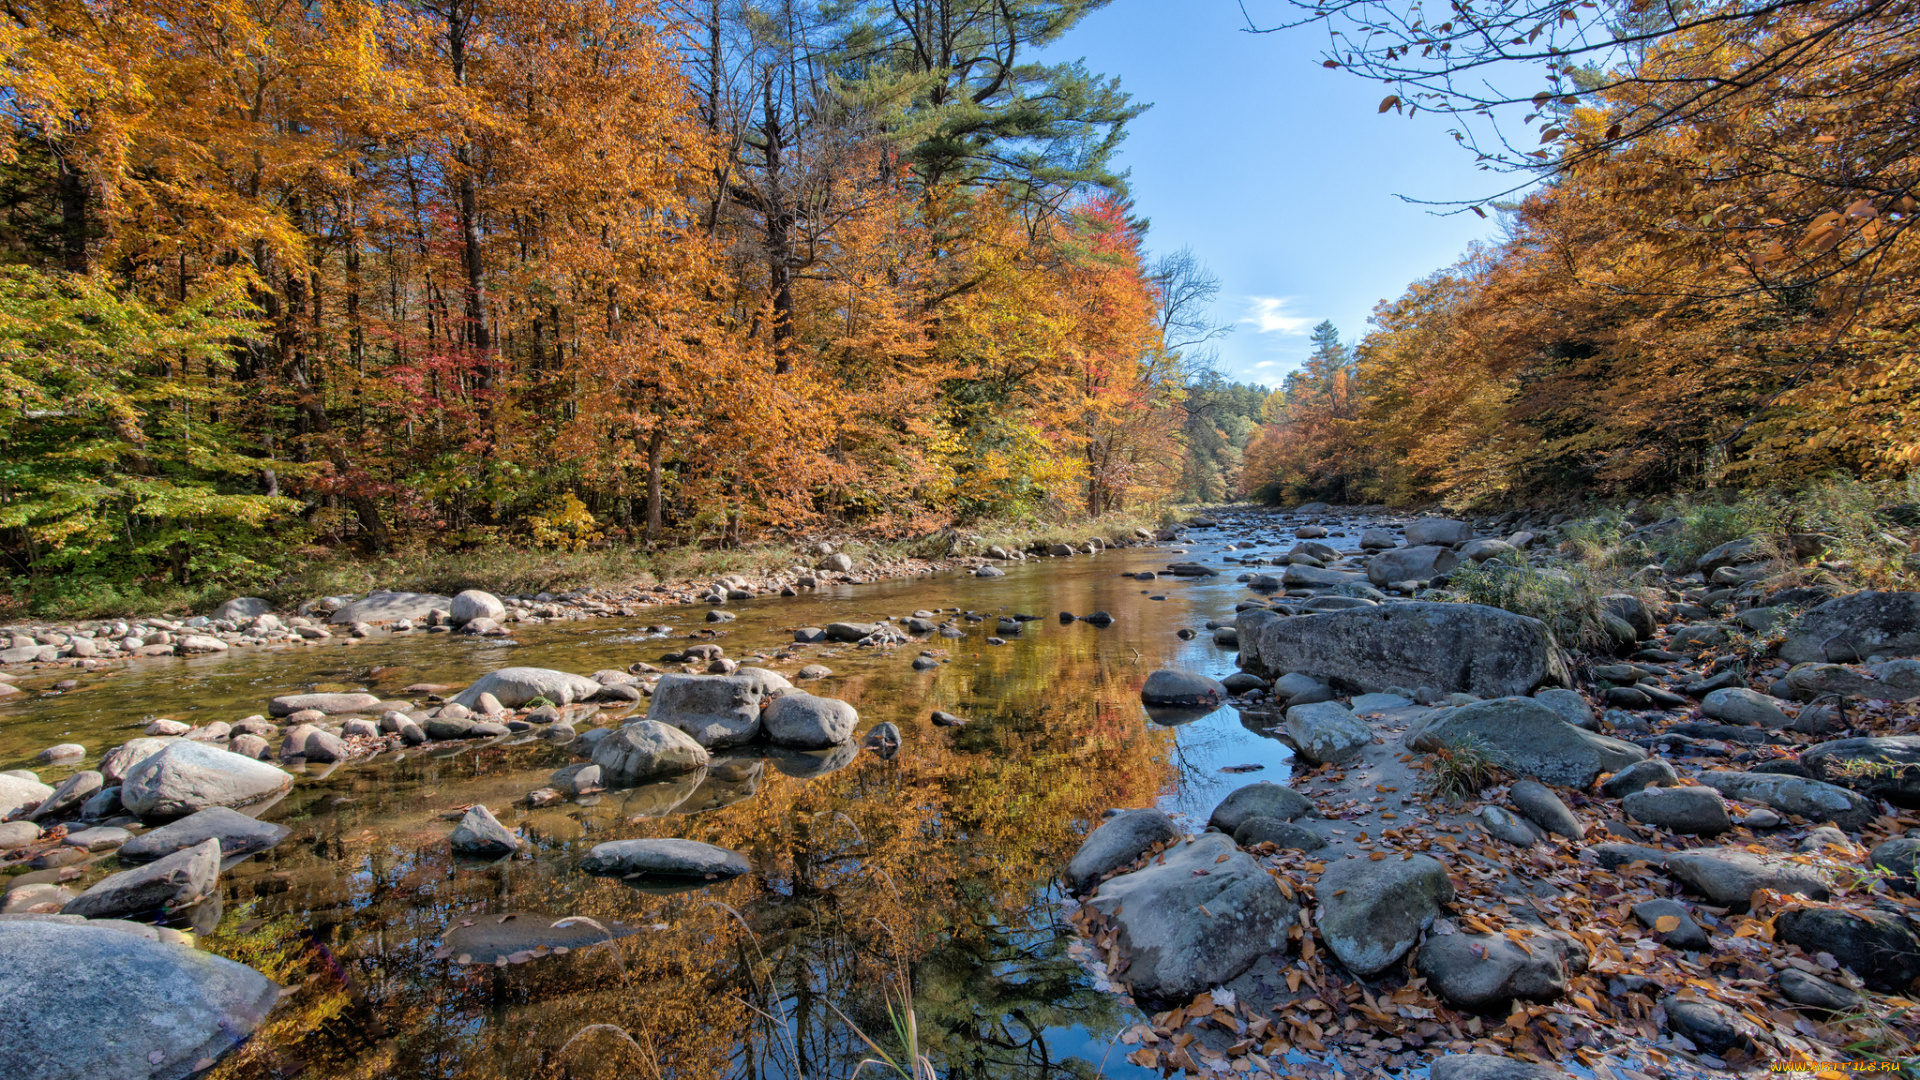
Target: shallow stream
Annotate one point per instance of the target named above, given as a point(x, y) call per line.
point(931, 873)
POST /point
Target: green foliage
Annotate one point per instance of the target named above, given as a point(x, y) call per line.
point(1568, 601)
point(117, 435)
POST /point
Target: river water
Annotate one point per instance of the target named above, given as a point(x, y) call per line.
point(929, 875)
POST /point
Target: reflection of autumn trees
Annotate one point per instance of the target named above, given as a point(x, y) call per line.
point(943, 857)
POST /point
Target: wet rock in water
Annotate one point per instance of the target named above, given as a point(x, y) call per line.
point(1878, 946)
point(717, 710)
point(516, 687)
point(450, 728)
point(1263, 798)
point(40, 897)
point(1098, 618)
point(1653, 772)
point(98, 838)
point(1532, 740)
point(664, 859)
point(645, 750)
point(1372, 913)
point(1899, 857)
point(242, 609)
point(815, 671)
point(1506, 825)
point(805, 722)
point(1489, 971)
point(1260, 829)
point(481, 834)
point(1192, 569)
point(162, 728)
point(1737, 705)
point(1450, 647)
point(69, 795)
point(946, 719)
point(884, 739)
point(1488, 1067)
point(1815, 993)
point(1814, 800)
point(1684, 933)
point(1729, 875)
point(1186, 634)
point(474, 604)
point(1194, 918)
point(391, 607)
point(989, 571)
point(1709, 1025)
point(1690, 811)
point(518, 936)
point(1182, 689)
point(1326, 733)
point(1121, 840)
point(1852, 628)
point(1241, 682)
point(808, 635)
point(811, 764)
point(1885, 767)
point(163, 887)
point(123, 1008)
point(238, 835)
point(188, 776)
point(60, 754)
point(1423, 563)
point(925, 663)
point(848, 632)
point(329, 704)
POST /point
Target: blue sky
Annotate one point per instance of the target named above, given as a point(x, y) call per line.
point(1279, 173)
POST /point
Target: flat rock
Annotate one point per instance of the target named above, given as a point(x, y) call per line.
point(1281, 834)
point(1195, 918)
point(489, 940)
point(329, 704)
point(188, 776)
point(1878, 946)
point(1182, 689)
point(390, 607)
point(1692, 811)
point(1118, 841)
point(1814, 800)
point(1371, 912)
point(664, 859)
point(1728, 875)
point(1852, 628)
point(1325, 732)
point(1422, 562)
point(1896, 760)
point(1453, 648)
point(1263, 798)
point(515, 687)
point(238, 835)
point(1529, 739)
point(123, 1008)
point(1738, 705)
point(162, 887)
point(1488, 1067)
point(1815, 993)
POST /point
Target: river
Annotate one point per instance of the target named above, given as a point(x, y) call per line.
point(929, 875)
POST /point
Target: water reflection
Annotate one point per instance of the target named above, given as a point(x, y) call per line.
point(938, 862)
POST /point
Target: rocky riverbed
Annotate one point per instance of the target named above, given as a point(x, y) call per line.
point(556, 788)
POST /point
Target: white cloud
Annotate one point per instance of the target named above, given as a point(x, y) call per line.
point(1269, 315)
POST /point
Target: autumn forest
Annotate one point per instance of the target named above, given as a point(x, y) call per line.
point(362, 276)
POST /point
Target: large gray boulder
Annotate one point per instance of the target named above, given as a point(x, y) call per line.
point(516, 686)
point(1438, 531)
point(1371, 912)
point(475, 604)
point(1851, 628)
point(1693, 811)
point(1878, 946)
point(805, 722)
point(1195, 920)
point(1895, 680)
point(331, 704)
point(1738, 705)
point(647, 750)
point(80, 1001)
point(1729, 875)
point(162, 887)
point(390, 607)
point(1263, 798)
point(1182, 689)
point(116, 763)
point(684, 859)
point(1487, 971)
point(1423, 563)
point(188, 776)
point(237, 833)
point(717, 710)
point(242, 609)
point(1882, 767)
point(481, 834)
point(1529, 739)
point(1453, 648)
point(1814, 800)
point(18, 793)
point(1325, 732)
point(1299, 576)
point(1119, 840)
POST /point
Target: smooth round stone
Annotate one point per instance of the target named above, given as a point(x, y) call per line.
point(98, 838)
point(61, 754)
point(664, 859)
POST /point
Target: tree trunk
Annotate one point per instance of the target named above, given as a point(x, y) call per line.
point(656, 444)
